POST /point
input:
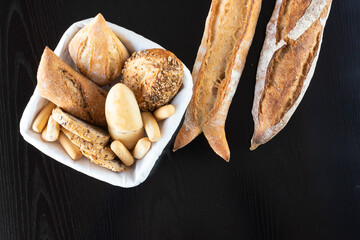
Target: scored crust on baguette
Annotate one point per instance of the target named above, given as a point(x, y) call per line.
point(97, 150)
point(229, 30)
point(287, 64)
point(70, 90)
point(84, 130)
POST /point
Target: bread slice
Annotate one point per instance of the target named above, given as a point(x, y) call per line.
point(114, 165)
point(96, 150)
point(287, 64)
point(84, 130)
point(229, 30)
point(70, 90)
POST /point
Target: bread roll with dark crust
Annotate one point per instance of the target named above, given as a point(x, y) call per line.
point(287, 64)
point(154, 75)
point(97, 52)
point(70, 90)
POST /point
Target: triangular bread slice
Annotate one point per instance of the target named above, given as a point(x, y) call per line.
point(84, 130)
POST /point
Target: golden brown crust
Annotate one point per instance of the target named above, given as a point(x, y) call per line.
point(70, 90)
point(228, 34)
point(286, 76)
point(286, 64)
point(97, 52)
point(290, 13)
point(154, 75)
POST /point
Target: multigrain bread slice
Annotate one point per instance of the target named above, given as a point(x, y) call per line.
point(70, 90)
point(114, 165)
point(84, 130)
point(100, 155)
point(287, 64)
point(96, 150)
point(229, 30)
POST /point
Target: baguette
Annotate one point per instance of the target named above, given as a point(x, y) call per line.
point(287, 63)
point(70, 90)
point(229, 30)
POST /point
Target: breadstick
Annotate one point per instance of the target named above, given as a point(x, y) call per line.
point(164, 112)
point(42, 118)
point(151, 127)
point(141, 148)
point(43, 134)
point(122, 152)
point(71, 149)
point(51, 130)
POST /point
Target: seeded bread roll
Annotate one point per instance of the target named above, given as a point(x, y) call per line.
point(154, 75)
point(97, 52)
point(70, 90)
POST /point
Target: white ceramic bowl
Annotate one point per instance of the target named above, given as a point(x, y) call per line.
point(141, 169)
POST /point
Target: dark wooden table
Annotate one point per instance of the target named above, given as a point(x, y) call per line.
point(304, 184)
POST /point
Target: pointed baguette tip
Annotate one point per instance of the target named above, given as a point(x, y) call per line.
point(254, 144)
point(227, 159)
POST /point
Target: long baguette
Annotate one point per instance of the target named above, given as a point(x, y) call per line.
point(287, 64)
point(228, 34)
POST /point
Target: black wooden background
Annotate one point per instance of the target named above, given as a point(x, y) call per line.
point(304, 184)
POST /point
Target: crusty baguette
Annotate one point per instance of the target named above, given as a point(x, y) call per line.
point(84, 130)
point(228, 34)
point(287, 63)
point(70, 90)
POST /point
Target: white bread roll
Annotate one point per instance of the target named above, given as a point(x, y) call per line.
point(98, 52)
point(123, 116)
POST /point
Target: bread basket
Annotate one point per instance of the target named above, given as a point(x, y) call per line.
point(141, 169)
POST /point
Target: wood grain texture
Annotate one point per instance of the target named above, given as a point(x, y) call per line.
point(304, 184)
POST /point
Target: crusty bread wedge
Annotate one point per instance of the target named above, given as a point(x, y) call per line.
point(228, 34)
point(287, 64)
point(68, 89)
